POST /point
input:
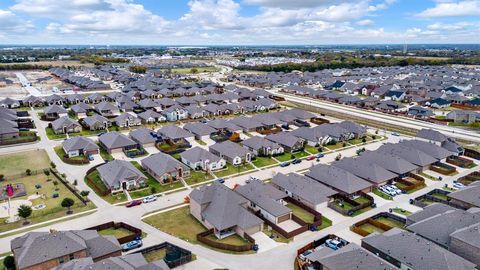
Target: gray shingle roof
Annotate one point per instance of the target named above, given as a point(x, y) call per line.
point(174, 132)
point(304, 187)
point(199, 129)
point(439, 227)
point(415, 251)
point(142, 135)
point(349, 257)
point(337, 178)
point(469, 194)
point(117, 170)
point(366, 170)
point(79, 143)
point(389, 161)
point(257, 142)
point(113, 140)
point(224, 209)
point(429, 211)
point(230, 149)
point(161, 163)
point(264, 196)
point(197, 154)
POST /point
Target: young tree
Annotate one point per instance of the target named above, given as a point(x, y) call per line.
point(9, 262)
point(24, 211)
point(53, 165)
point(84, 193)
point(28, 172)
point(46, 172)
point(67, 203)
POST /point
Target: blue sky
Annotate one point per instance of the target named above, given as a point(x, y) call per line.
point(238, 22)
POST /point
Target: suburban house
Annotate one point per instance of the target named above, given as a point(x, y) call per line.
point(265, 199)
point(175, 113)
point(412, 155)
point(54, 112)
point(466, 197)
point(143, 136)
point(304, 190)
point(231, 152)
point(106, 109)
point(96, 122)
point(219, 208)
point(388, 161)
point(200, 130)
point(408, 250)
point(260, 146)
point(433, 136)
point(127, 120)
point(289, 142)
point(198, 158)
point(80, 110)
point(150, 116)
point(134, 261)
point(64, 125)
point(366, 170)
point(174, 133)
point(348, 257)
point(80, 146)
point(165, 168)
point(312, 136)
point(338, 179)
point(463, 116)
point(47, 250)
point(115, 142)
point(118, 175)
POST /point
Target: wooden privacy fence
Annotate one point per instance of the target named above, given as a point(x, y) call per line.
point(472, 153)
point(459, 161)
point(203, 238)
point(136, 232)
point(175, 256)
point(442, 168)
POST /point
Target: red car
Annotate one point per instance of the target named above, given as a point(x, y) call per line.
point(133, 203)
point(311, 158)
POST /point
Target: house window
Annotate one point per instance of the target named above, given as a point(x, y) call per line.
point(71, 257)
point(61, 260)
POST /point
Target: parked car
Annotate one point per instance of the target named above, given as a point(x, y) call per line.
point(333, 244)
point(320, 155)
point(396, 189)
point(284, 164)
point(286, 126)
point(149, 199)
point(90, 157)
point(133, 203)
point(220, 180)
point(132, 245)
point(311, 158)
point(387, 191)
point(296, 161)
point(304, 255)
point(395, 134)
point(458, 185)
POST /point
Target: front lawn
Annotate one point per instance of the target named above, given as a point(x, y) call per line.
point(99, 187)
point(336, 146)
point(104, 154)
point(181, 224)
point(197, 177)
point(52, 136)
point(301, 213)
point(14, 164)
point(231, 169)
point(289, 156)
point(260, 162)
point(152, 184)
point(312, 149)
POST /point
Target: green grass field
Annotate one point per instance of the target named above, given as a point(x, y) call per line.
point(299, 212)
point(14, 164)
point(260, 162)
point(117, 233)
point(48, 188)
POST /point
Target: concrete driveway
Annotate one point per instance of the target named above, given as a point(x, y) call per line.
point(264, 242)
point(152, 150)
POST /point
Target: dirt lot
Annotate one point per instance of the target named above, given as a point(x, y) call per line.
point(11, 89)
point(44, 81)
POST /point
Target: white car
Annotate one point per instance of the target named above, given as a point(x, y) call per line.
point(396, 189)
point(458, 185)
point(149, 199)
point(388, 191)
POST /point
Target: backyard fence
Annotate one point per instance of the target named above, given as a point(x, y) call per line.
point(422, 201)
point(470, 178)
point(175, 256)
point(203, 237)
point(100, 190)
point(355, 205)
point(357, 227)
point(24, 137)
point(68, 186)
point(75, 161)
point(136, 232)
point(442, 168)
point(459, 161)
point(472, 153)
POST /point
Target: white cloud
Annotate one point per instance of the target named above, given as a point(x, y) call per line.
point(11, 23)
point(366, 22)
point(452, 9)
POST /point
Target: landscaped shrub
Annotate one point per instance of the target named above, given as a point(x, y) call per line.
point(28, 172)
point(9, 262)
point(84, 193)
point(53, 165)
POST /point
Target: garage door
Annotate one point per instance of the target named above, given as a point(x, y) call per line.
point(283, 218)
